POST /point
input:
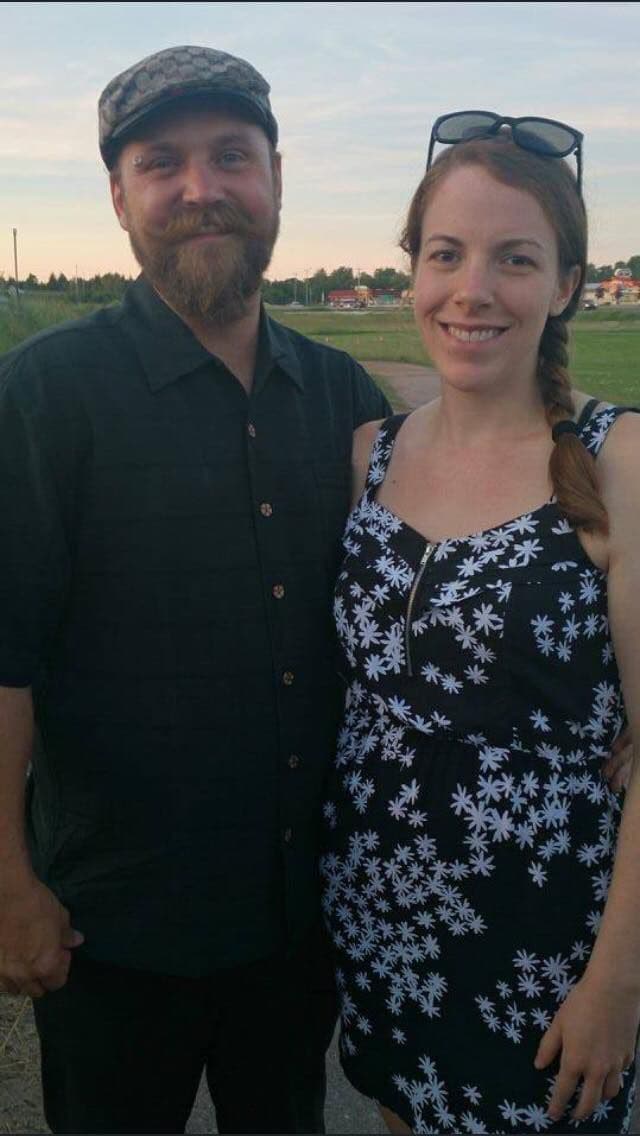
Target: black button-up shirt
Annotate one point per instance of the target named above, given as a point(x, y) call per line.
point(169, 548)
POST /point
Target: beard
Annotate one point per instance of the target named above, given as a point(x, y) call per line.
point(210, 282)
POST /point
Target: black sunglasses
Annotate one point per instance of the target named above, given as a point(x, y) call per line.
point(543, 136)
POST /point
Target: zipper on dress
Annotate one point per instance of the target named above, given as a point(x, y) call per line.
point(424, 560)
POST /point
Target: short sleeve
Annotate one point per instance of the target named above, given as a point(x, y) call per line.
point(370, 402)
point(34, 558)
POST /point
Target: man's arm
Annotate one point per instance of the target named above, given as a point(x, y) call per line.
point(37, 452)
point(36, 938)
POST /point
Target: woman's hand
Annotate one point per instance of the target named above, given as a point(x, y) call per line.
point(594, 1033)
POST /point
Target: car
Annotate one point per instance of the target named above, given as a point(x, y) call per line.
point(589, 305)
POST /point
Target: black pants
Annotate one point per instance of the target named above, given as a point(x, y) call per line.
point(123, 1051)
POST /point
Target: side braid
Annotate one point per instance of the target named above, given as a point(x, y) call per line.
point(572, 468)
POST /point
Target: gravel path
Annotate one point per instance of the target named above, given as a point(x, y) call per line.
point(413, 385)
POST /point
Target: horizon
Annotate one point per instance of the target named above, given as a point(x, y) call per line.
point(355, 90)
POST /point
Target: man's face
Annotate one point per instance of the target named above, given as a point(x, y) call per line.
point(199, 194)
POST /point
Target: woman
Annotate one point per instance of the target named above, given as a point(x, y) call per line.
point(488, 961)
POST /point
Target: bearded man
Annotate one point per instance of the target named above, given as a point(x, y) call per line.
point(174, 478)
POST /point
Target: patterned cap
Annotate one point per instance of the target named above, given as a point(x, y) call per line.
point(179, 72)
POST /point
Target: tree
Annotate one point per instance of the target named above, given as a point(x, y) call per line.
point(340, 278)
point(390, 278)
point(634, 264)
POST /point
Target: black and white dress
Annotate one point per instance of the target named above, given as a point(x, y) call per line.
point(470, 834)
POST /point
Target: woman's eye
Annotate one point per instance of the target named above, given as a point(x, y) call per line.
point(444, 256)
point(518, 261)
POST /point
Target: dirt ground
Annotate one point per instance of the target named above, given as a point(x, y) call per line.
point(20, 1097)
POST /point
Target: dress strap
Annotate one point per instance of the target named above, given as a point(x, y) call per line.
point(596, 426)
point(382, 449)
point(587, 411)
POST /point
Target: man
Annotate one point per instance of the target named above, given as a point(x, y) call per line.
point(174, 478)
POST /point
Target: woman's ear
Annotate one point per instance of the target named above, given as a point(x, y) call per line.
point(567, 285)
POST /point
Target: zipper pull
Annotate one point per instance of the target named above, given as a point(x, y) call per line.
point(424, 560)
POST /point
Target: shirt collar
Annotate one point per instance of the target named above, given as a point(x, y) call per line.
point(168, 349)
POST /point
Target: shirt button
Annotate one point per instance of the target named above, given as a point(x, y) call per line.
point(251, 430)
point(288, 835)
point(288, 678)
point(294, 761)
point(277, 591)
point(266, 509)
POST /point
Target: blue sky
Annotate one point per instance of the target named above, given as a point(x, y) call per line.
point(355, 88)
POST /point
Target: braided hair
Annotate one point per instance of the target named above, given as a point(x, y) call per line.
point(572, 469)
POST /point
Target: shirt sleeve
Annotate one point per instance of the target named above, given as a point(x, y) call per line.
point(34, 558)
point(370, 402)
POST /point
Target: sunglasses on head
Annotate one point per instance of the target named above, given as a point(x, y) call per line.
point(542, 136)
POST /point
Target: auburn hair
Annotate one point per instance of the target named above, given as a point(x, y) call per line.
point(550, 181)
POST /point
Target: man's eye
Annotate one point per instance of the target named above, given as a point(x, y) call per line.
point(232, 157)
point(162, 162)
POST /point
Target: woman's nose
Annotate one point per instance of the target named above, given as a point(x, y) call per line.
point(474, 285)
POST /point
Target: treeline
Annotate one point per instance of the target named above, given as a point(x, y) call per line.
point(595, 275)
point(307, 290)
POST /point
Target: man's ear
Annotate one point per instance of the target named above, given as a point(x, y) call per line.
point(277, 176)
point(118, 199)
point(566, 287)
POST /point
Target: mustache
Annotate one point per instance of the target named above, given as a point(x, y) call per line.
point(222, 218)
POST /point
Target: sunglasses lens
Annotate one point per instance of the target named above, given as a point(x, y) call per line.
point(544, 137)
point(460, 127)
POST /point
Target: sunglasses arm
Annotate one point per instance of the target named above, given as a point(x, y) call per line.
point(579, 166)
point(432, 142)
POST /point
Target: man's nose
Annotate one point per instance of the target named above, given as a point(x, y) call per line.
point(202, 184)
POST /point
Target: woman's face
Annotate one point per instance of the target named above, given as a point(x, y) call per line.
point(486, 279)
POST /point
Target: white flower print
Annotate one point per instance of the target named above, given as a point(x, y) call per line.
point(445, 787)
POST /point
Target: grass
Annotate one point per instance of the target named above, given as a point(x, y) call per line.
point(605, 343)
point(20, 320)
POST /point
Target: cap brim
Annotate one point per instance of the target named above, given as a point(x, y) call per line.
point(200, 96)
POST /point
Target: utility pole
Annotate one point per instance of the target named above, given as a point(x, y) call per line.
point(15, 263)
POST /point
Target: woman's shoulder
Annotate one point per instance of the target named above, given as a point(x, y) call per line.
point(363, 442)
point(609, 427)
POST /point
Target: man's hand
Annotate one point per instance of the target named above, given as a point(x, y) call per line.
point(617, 768)
point(36, 940)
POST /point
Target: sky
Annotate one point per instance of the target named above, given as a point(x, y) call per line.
point(355, 88)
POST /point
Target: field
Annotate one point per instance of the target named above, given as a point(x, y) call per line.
point(605, 346)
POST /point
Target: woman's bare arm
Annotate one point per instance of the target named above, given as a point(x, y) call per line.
point(595, 1028)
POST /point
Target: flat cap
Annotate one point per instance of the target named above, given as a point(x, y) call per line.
point(175, 73)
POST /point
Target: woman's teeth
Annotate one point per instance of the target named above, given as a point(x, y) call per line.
point(476, 336)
